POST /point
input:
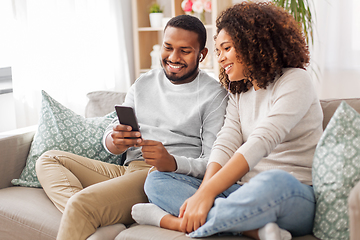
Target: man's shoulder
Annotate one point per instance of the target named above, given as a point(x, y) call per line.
point(209, 83)
point(151, 74)
point(205, 76)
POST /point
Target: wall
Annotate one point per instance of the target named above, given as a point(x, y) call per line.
point(7, 106)
point(7, 112)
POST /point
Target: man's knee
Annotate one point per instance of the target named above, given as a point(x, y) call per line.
point(46, 159)
point(81, 202)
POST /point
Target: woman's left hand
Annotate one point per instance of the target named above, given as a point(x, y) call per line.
point(194, 211)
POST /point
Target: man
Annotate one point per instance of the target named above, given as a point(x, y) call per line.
point(179, 108)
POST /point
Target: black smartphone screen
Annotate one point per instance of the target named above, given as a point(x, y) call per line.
point(127, 116)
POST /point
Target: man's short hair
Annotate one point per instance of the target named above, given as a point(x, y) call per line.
point(190, 23)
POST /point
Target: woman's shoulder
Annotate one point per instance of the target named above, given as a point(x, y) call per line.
point(296, 81)
point(295, 72)
point(294, 76)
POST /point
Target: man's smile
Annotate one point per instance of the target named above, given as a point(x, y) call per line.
point(174, 67)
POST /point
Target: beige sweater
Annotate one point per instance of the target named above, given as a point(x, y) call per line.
point(274, 128)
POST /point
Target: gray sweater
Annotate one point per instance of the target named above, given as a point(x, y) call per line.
point(184, 117)
point(273, 128)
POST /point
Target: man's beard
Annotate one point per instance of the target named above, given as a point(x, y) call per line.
point(179, 79)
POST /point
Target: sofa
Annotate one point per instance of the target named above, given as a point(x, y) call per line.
point(27, 213)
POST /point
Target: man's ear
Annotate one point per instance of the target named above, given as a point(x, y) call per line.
point(203, 54)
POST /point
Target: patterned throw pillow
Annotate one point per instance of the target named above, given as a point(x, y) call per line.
point(336, 170)
point(61, 129)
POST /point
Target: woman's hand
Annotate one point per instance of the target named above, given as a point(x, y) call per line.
point(194, 211)
point(217, 179)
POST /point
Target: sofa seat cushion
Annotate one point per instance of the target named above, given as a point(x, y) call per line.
point(27, 213)
point(147, 232)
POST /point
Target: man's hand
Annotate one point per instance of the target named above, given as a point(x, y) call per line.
point(156, 155)
point(122, 138)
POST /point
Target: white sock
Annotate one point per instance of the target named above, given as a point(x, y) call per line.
point(148, 214)
point(271, 231)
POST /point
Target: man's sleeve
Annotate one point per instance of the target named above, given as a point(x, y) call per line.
point(212, 122)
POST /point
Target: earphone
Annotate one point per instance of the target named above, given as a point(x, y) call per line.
point(201, 57)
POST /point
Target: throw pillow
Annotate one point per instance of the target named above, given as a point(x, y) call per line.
point(336, 170)
point(102, 102)
point(61, 129)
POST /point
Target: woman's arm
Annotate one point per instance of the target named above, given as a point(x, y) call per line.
point(235, 169)
point(210, 171)
point(195, 209)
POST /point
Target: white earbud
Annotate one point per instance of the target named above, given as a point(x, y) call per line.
point(201, 57)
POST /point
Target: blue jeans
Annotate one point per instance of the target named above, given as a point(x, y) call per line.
point(271, 196)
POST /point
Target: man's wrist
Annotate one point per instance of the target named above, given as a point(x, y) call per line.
point(174, 164)
point(112, 147)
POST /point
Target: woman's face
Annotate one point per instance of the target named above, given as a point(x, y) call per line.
point(227, 57)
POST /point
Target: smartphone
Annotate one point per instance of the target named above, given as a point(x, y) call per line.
point(127, 116)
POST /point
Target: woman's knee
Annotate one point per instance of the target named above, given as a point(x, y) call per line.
point(277, 177)
point(154, 183)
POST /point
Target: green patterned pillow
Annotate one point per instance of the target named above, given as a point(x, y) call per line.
point(61, 129)
point(336, 170)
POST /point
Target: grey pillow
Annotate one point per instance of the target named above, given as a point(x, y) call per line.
point(103, 102)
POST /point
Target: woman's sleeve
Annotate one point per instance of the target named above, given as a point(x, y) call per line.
point(293, 95)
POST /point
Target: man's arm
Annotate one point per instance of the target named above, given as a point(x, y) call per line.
point(115, 136)
point(212, 121)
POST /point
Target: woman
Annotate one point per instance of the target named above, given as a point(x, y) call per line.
point(273, 123)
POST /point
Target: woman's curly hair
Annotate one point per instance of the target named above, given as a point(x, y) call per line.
point(266, 39)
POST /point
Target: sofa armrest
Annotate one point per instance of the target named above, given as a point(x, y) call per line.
point(14, 149)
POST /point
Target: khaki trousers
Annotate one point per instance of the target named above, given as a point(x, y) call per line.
point(90, 193)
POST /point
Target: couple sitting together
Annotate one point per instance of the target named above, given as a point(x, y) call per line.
point(211, 157)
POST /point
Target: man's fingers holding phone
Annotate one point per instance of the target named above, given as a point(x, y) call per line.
point(123, 135)
point(129, 131)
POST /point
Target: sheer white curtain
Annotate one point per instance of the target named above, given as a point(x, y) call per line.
point(67, 48)
point(337, 48)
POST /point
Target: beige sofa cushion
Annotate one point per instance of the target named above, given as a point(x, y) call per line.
point(329, 106)
point(147, 232)
point(26, 213)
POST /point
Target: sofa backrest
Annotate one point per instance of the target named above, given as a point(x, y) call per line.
point(103, 102)
point(329, 106)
